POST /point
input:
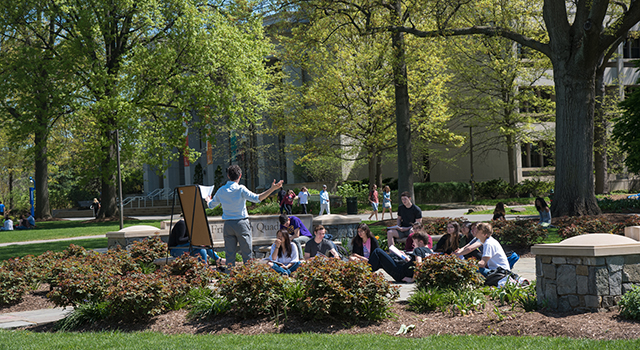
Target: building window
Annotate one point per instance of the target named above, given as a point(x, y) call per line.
point(632, 48)
point(536, 155)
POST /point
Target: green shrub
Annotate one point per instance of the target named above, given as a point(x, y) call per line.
point(446, 271)
point(441, 192)
point(514, 295)
point(630, 304)
point(451, 301)
point(195, 272)
point(207, 304)
point(344, 290)
point(354, 189)
point(83, 314)
point(579, 225)
point(148, 250)
point(625, 205)
point(521, 233)
point(254, 289)
point(492, 188)
point(13, 286)
point(535, 188)
point(138, 296)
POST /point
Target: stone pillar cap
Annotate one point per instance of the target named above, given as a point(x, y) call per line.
point(594, 244)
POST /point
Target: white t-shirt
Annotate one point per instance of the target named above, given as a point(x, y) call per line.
point(494, 251)
point(286, 259)
point(304, 197)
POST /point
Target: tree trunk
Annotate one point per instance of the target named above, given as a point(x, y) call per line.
point(600, 136)
point(511, 154)
point(42, 206)
point(403, 125)
point(372, 167)
point(574, 187)
point(109, 206)
point(379, 170)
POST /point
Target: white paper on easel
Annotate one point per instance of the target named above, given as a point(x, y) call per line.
point(206, 191)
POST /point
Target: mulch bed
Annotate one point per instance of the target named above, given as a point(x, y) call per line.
point(600, 325)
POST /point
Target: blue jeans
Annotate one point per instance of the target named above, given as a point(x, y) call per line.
point(380, 259)
point(299, 242)
point(281, 270)
point(202, 253)
point(484, 271)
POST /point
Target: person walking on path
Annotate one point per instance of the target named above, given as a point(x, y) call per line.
point(1, 209)
point(324, 201)
point(373, 199)
point(386, 201)
point(303, 196)
point(233, 198)
point(96, 207)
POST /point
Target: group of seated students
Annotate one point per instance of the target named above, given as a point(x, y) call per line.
point(469, 240)
point(24, 223)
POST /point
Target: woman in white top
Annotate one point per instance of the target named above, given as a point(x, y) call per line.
point(284, 254)
point(303, 196)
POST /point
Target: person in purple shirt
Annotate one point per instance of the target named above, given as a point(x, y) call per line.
point(237, 228)
point(298, 232)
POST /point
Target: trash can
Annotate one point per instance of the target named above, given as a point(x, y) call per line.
point(352, 205)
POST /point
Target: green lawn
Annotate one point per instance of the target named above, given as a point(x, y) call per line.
point(20, 250)
point(147, 340)
point(68, 229)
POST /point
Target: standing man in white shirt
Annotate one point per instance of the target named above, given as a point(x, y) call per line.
point(237, 228)
point(324, 201)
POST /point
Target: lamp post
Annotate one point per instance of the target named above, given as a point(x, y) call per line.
point(119, 179)
point(473, 189)
point(31, 189)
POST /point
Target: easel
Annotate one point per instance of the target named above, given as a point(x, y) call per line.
point(195, 216)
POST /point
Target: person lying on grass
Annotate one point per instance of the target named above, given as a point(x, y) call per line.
point(400, 267)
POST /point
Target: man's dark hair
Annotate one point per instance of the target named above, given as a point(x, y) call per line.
point(234, 172)
point(421, 236)
point(283, 219)
point(406, 194)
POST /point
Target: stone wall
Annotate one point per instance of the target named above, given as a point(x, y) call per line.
point(585, 283)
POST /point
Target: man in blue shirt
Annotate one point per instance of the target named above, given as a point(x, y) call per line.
point(1, 209)
point(324, 200)
point(237, 228)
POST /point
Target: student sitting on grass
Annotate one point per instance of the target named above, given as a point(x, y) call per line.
point(401, 268)
point(8, 224)
point(284, 254)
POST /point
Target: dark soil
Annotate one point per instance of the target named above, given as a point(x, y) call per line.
point(492, 320)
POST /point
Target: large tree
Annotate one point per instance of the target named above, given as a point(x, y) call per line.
point(148, 68)
point(36, 83)
point(494, 92)
point(345, 108)
point(580, 33)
